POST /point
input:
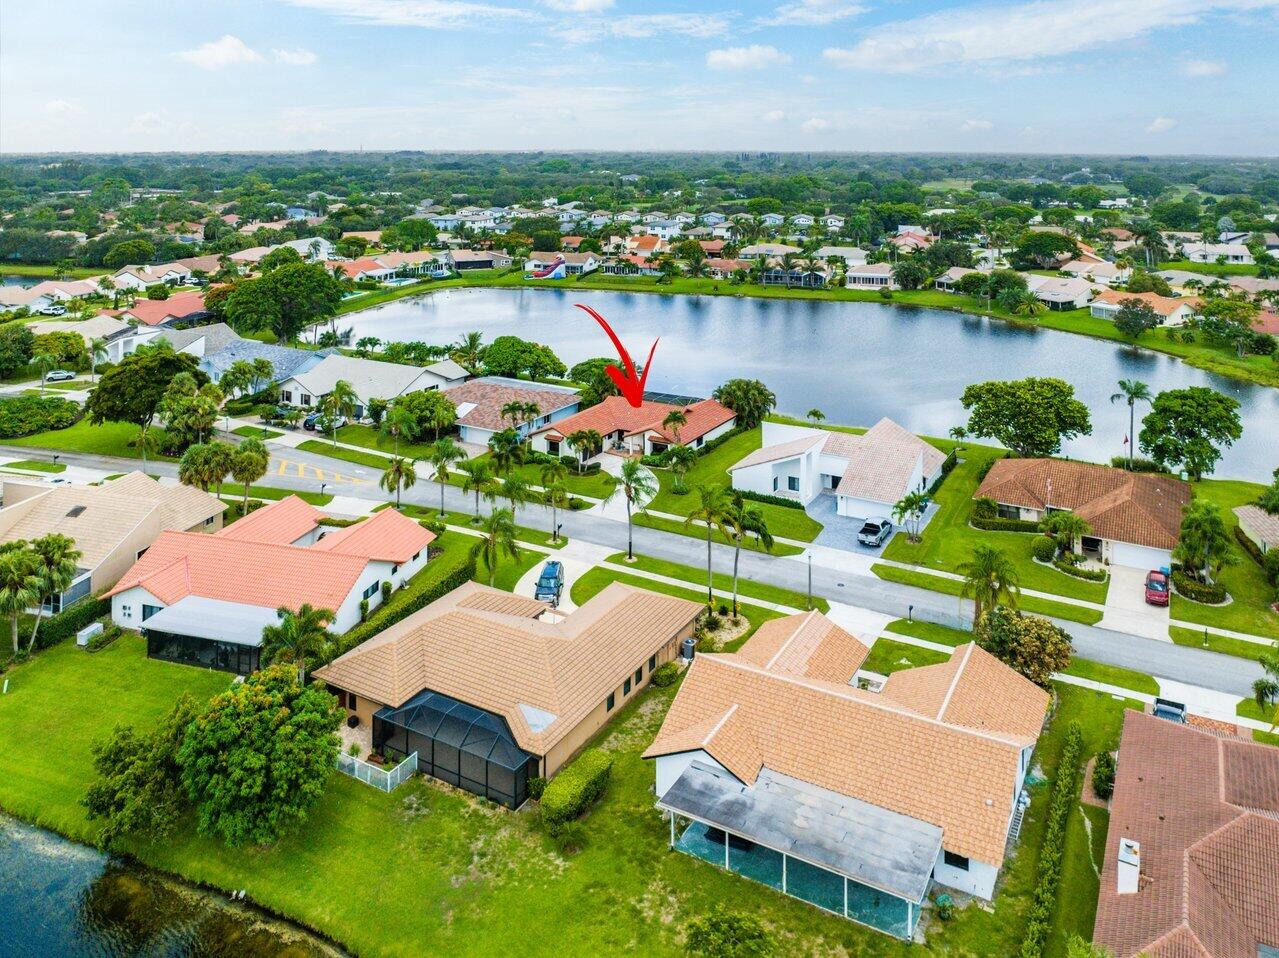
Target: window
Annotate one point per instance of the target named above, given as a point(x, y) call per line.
point(352, 701)
point(415, 556)
point(370, 591)
point(792, 483)
point(395, 568)
point(774, 483)
point(150, 610)
point(287, 395)
point(652, 663)
point(612, 700)
point(209, 521)
point(1008, 512)
point(553, 447)
point(956, 861)
point(626, 686)
point(639, 676)
point(306, 399)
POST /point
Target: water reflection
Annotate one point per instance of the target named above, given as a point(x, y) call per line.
point(854, 361)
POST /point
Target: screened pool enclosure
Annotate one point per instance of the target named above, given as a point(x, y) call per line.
point(459, 744)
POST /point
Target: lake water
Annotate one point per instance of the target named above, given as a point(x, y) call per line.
point(19, 279)
point(61, 899)
point(856, 362)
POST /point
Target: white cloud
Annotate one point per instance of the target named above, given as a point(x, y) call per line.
point(430, 14)
point(294, 58)
point(146, 123)
point(1203, 68)
point(63, 107)
point(774, 116)
point(217, 54)
point(975, 126)
point(813, 13)
point(1160, 124)
point(754, 57)
point(641, 26)
point(579, 6)
point(1029, 31)
point(815, 124)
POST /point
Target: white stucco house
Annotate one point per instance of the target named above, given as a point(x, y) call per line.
point(370, 378)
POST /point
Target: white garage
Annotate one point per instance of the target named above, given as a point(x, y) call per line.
point(1139, 557)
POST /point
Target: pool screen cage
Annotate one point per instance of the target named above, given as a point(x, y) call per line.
point(459, 744)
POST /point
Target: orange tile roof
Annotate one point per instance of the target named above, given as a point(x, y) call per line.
point(1163, 305)
point(388, 535)
point(1141, 508)
point(153, 312)
point(808, 644)
point(283, 522)
point(487, 399)
point(616, 413)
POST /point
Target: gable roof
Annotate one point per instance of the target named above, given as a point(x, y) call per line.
point(1205, 811)
point(154, 312)
point(1163, 305)
point(283, 522)
point(1262, 523)
point(882, 460)
point(480, 401)
point(285, 360)
point(1141, 508)
point(388, 535)
point(616, 412)
point(808, 644)
point(368, 377)
point(778, 451)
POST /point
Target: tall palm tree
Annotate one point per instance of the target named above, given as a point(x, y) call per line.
point(712, 511)
point(55, 558)
point(478, 477)
point(498, 537)
point(248, 465)
point(506, 450)
point(638, 485)
point(397, 422)
point(681, 460)
point(441, 455)
point(339, 403)
point(46, 361)
point(468, 350)
point(745, 520)
point(515, 491)
point(97, 348)
point(908, 510)
point(675, 419)
point(959, 434)
point(990, 579)
point(301, 635)
point(400, 473)
point(584, 442)
point(1132, 391)
point(19, 584)
point(554, 475)
point(1066, 527)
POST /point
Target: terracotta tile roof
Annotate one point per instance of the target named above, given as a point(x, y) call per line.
point(486, 397)
point(474, 650)
point(1140, 508)
point(1205, 812)
point(283, 522)
point(869, 746)
point(1163, 305)
point(616, 413)
point(808, 644)
point(153, 312)
point(387, 535)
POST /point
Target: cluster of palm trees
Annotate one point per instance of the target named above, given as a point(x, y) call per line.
point(206, 465)
point(31, 574)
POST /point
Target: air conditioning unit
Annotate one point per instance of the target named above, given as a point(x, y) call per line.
point(89, 631)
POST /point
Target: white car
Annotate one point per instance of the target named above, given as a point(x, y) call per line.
point(55, 309)
point(59, 376)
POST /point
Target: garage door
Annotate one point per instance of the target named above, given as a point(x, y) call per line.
point(1140, 557)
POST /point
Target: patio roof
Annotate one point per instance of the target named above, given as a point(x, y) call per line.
point(203, 618)
point(865, 843)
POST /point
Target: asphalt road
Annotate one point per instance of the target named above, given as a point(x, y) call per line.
point(307, 472)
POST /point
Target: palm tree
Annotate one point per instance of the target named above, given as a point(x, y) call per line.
point(515, 491)
point(400, 473)
point(1132, 391)
point(673, 421)
point(681, 459)
point(467, 352)
point(908, 510)
point(713, 511)
point(441, 455)
point(638, 485)
point(97, 348)
point(1066, 527)
point(745, 520)
point(554, 475)
point(959, 434)
point(300, 635)
point(248, 465)
point(339, 403)
point(55, 563)
point(498, 537)
point(19, 584)
point(221, 457)
point(584, 442)
point(478, 477)
point(399, 421)
point(990, 579)
point(196, 468)
point(506, 450)
point(815, 415)
point(45, 361)
point(1021, 302)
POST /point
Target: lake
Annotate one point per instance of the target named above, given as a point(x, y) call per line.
point(20, 279)
point(60, 898)
point(856, 362)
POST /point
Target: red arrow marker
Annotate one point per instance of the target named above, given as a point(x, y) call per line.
point(631, 387)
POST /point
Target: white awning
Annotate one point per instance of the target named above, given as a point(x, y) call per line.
point(203, 618)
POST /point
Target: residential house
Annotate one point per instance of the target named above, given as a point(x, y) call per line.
point(416, 263)
point(1098, 270)
point(801, 275)
point(631, 265)
point(833, 223)
point(638, 430)
point(467, 259)
point(767, 250)
point(369, 378)
point(867, 474)
point(948, 281)
point(653, 216)
point(717, 268)
point(1134, 517)
point(851, 255)
point(772, 220)
point(180, 309)
point(1192, 850)
point(1261, 527)
point(571, 243)
point(120, 337)
point(372, 237)
point(286, 361)
point(480, 403)
point(911, 240)
point(773, 763)
point(1061, 293)
point(645, 246)
point(204, 600)
point(712, 248)
point(199, 341)
point(802, 221)
point(143, 277)
point(1170, 310)
point(559, 265)
point(366, 267)
point(1218, 253)
point(112, 523)
point(664, 229)
point(870, 276)
point(713, 219)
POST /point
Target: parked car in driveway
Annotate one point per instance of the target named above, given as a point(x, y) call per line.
point(1172, 711)
point(55, 309)
point(874, 532)
point(59, 376)
point(1156, 588)
point(550, 584)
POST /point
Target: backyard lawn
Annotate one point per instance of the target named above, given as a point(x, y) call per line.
point(948, 540)
point(723, 581)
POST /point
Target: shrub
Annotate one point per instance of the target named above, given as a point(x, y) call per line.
point(1270, 564)
point(1067, 566)
point(946, 468)
point(1196, 591)
point(577, 505)
point(1103, 775)
point(665, 675)
point(945, 907)
point(570, 793)
point(536, 786)
point(386, 590)
point(27, 415)
point(727, 934)
point(712, 622)
point(364, 609)
point(60, 627)
point(1005, 525)
point(985, 509)
point(109, 634)
point(771, 500)
point(885, 293)
point(1138, 464)
point(442, 575)
point(1043, 548)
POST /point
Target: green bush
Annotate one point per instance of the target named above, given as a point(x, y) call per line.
point(1103, 775)
point(577, 505)
point(945, 907)
point(536, 786)
point(1138, 464)
point(1196, 591)
point(1044, 548)
point(27, 415)
point(570, 793)
point(1271, 566)
point(664, 675)
point(727, 934)
point(104, 638)
point(1005, 525)
point(1068, 567)
point(60, 627)
point(771, 500)
point(984, 508)
point(1044, 899)
point(951, 460)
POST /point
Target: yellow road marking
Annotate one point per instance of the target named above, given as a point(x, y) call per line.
point(302, 470)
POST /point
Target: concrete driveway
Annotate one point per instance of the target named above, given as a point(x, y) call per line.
point(1126, 608)
point(840, 532)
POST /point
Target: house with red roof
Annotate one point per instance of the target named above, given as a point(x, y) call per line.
point(205, 599)
point(179, 309)
point(639, 431)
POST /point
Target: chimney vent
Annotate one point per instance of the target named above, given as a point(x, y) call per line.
point(1129, 866)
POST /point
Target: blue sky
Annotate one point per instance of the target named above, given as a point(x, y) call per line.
point(1118, 76)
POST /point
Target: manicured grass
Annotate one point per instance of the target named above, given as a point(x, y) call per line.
point(948, 540)
point(48, 271)
point(509, 571)
point(256, 432)
point(235, 491)
point(940, 634)
point(322, 448)
point(69, 385)
point(1217, 643)
point(1248, 708)
point(1026, 603)
point(36, 465)
point(723, 581)
point(698, 532)
point(467, 519)
point(809, 424)
point(1113, 675)
point(596, 485)
point(888, 656)
point(108, 439)
point(368, 437)
point(1265, 738)
point(1085, 853)
point(1211, 269)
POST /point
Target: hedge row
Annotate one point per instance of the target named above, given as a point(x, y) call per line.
point(1068, 567)
point(1004, 525)
point(1050, 856)
point(1139, 465)
point(1197, 591)
point(662, 459)
point(27, 415)
point(64, 625)
point(575, 789)
point(946, 467)
point(771, 500)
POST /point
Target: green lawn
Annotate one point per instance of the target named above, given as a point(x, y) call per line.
point(1113, 675)
point(940, 634)
point(723, 581)
point(1211, 269)
point(1085, 853)
point(48, 271)
point(1217, 643)
point(509, 571)
point(108, 439)
point(539, 537)
point(256, 432)
point(1027, 603)
point(1248, 708)
point(948, 540)
point(888, 656)
point(1242, 578)
point(324, 448)
point(233, 490)
point(596, 485)
point(36, 465)
point(698, 532)
point(370, 438)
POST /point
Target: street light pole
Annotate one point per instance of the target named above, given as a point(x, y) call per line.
point(810, 581)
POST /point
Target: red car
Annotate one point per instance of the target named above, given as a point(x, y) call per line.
point(1156, 588)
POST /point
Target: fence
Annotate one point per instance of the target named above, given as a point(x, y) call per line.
point(377, 777)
